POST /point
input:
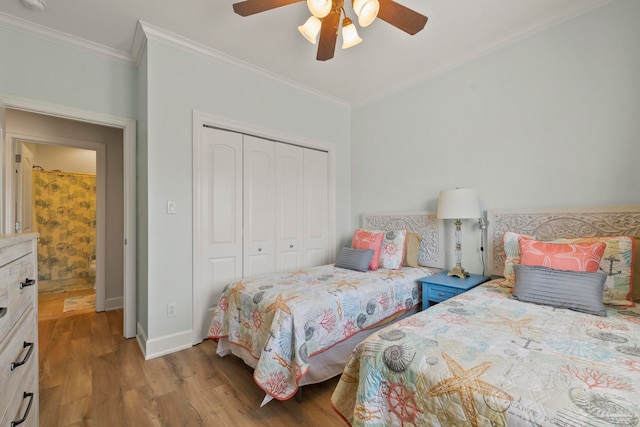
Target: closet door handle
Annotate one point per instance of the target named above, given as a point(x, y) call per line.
point(14, 365)
point(3, 312)
point(27, 282)
point(26, 413)
point(259, 249)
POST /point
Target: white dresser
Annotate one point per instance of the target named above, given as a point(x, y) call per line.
point(18, 331)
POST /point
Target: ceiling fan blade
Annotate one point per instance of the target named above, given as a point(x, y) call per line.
point(329, 32)
point(250, 7)
point(401, 17)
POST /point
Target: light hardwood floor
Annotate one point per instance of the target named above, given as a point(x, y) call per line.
point(91, 376)
point(52, 293)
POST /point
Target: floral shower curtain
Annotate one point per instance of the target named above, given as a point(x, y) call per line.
point(65, 217)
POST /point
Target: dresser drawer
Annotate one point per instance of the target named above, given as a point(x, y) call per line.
point(24, 403)
point(5, 323)
point(18, 358)
point(13, 252)
point(20, 277)
point(438, 293)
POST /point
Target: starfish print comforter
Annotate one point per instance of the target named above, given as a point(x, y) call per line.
point(483, 359)
point(284, 319)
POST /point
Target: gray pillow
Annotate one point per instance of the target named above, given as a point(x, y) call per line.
point(354, 259)
point(575, 290)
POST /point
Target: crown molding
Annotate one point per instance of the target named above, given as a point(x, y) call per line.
point(45, 33)
point(146, 31)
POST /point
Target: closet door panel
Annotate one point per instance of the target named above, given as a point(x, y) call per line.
point(316, 208)
point(289, 207)
point(259, 206)
point(220, 254)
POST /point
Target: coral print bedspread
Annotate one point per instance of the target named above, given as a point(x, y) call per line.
point(283, 319)
point(482, 359)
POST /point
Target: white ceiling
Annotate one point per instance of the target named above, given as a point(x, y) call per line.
point(386, 61)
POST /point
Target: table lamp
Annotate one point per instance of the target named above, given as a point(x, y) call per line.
point(458, 204)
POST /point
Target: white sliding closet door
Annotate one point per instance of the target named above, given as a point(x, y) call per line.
point(259, 206)
point(289, 207)
point(316, 209)
point(220, 234)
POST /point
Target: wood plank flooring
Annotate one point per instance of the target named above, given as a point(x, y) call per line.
point(52, 293)
point(91, 376)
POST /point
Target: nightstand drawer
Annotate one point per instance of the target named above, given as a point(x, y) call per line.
point(440, 287)
point(440, 293)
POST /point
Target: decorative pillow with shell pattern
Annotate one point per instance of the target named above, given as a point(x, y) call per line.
point(617, 263)
point(393, 247)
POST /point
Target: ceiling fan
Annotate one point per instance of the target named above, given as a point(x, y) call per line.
point(326, 14)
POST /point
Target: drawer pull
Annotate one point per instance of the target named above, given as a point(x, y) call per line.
point(3, 311)
point(14, 365)
point(26, 413)
point(27, 282)
point(441, 294)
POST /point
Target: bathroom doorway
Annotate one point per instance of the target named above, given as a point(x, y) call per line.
point(60, 124)
point(56, 188)
point(65, 153)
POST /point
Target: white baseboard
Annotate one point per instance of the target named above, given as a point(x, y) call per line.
point(164, 345)
point(114, 303)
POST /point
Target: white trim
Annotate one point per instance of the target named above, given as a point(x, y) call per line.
point(200, 119)
point(49, 34)
point(114, 304)
point(180, 42)
point(128, 127)
point(167, 344)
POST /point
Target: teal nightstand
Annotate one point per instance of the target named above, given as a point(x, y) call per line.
point(440, 287)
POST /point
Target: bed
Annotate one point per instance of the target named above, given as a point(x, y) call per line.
point(297, 328)
point(490, 357)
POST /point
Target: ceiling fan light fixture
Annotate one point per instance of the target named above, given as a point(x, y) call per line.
point(319, 8)
point(310, 29)
point(35, 4)
point(350, 35)
point(366, 10)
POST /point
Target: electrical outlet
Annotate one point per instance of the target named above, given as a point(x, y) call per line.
point(171, 310)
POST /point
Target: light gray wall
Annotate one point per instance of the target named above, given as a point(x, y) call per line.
point(552, 120)
point(54, 157)
point(178, 83)
point(142, 226)
point(36, 69)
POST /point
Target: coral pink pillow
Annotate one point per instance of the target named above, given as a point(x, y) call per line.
point(561, 256)
point(367, 239)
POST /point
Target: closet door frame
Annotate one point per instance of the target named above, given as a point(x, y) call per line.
point(201, 119)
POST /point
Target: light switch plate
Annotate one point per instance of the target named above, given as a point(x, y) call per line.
point(171, 207)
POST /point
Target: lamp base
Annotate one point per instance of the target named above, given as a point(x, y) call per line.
point(458, 271)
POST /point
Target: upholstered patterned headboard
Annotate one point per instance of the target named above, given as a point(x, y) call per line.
point(425, 224)
point(557, 223)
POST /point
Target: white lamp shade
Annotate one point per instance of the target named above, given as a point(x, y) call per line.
point(319, 8)
point(310, 29)
point(458, 204)
point(366, 10)
point(350, 36)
